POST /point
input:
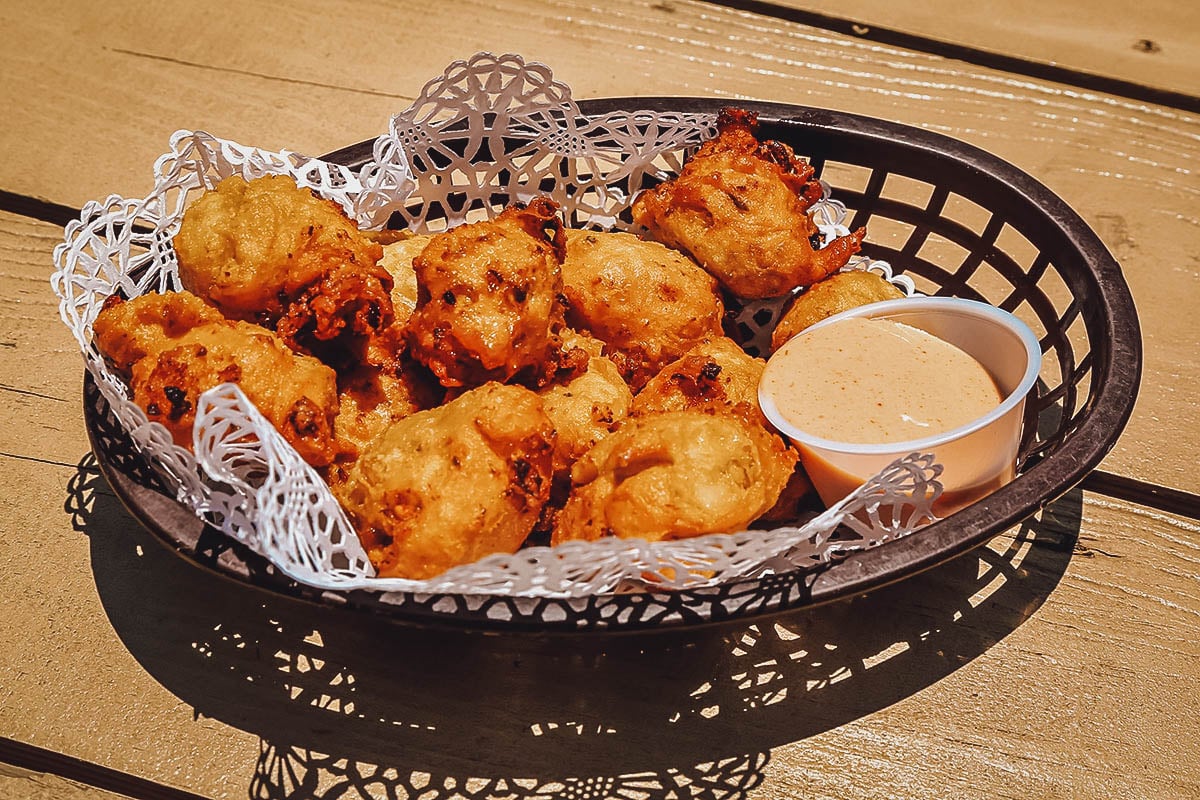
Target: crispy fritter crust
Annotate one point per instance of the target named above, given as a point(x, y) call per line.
point(331, 316)
point(489, 304)
point(271, 252)
point(675, 475)
point(126, 331)
point(588, 406)
point(453, 484)
point(797, 498)
point(739, 208)
point(718, 373)
point(173, 347)
point(649, 304)
point(715, 371)
point(383, 387)
point(839, 292)
point(398, 257)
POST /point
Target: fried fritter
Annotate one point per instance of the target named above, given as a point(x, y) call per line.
point(398, 256)
point(798, 497)
point(586, 408)
point(739, 208)
point(173, 347)
point(675, 475)
point(839, 292)
point(719, 373)
point(489, 299)
point(126, 331)
point(271, 252)
point(715, 371)
point(649, 304)
point(453, 484)
point(382, 388)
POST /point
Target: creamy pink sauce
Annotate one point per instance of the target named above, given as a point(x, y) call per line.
point(868, 381)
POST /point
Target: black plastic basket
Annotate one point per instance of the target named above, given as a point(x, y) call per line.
point(956, 219)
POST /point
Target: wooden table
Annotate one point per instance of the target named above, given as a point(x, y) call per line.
point(1058, 661)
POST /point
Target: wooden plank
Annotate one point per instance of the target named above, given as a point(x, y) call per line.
point(1056, 703)
point(22, 784)
point(39, 357)
point(1155, 43)
point(1051, 663)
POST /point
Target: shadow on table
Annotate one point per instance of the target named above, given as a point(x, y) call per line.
point(348, 704)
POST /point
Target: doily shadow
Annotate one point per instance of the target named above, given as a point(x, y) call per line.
point(348, 704)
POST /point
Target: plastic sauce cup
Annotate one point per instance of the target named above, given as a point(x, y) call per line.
point(978, 457)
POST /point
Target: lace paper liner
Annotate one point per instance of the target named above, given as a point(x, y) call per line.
point(490, 131)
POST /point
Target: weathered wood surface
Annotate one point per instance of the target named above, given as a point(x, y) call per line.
point(1153, 44)
point(1074, 678)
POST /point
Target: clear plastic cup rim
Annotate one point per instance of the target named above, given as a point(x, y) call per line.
point(942, 305)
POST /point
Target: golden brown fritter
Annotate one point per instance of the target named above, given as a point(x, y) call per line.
point(740, 209)
point(128, 330)
point(489, 299)
point(587, 407)
point(453, 484)
point(839, 292)
point(719, 373)
point(271, 252)
point(398, 256)
point(192, 349)
point(797, 498)
point(675, 475)
point(715, 371)
point(382, 388)
point(649, 304)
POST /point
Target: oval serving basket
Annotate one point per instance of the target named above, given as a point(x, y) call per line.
point(957, 221)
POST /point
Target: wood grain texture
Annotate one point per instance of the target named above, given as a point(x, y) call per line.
point(1059, 662)
point(1068, 702)
point(22, 784)
point(66, 682)
point(1158, 45)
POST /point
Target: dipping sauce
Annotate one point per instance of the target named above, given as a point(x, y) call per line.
point(877, 381)
point(940, 375)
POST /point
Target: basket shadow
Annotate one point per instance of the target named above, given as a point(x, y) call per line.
point(344, 698)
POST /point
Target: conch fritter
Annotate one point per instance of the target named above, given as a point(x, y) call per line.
point(740, 209)
point(716, 371)
point(488, 299)
point(676, 475)
point(268, 251)
point(649, 304)
point(126, 331)
point(398, 257)
point(589, 405)
point(839, 292)
point(383, 387)
point(452, 484)
point(174, 347)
